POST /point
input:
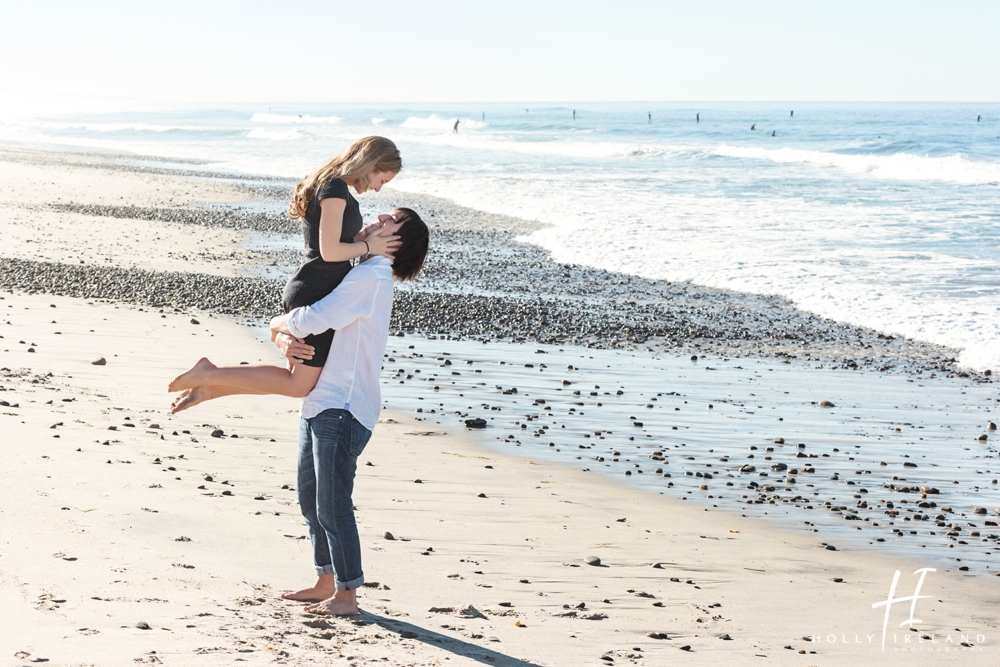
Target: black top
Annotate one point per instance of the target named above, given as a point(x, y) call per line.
point(314, 279)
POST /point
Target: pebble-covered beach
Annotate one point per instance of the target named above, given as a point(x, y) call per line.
point(598, 466)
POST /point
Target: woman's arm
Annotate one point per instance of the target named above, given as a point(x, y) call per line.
point(331, 224)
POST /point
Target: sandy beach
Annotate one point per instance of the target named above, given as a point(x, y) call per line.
point(129, 536)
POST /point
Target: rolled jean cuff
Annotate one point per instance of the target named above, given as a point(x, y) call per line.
point(324, 569)
point(350, 585)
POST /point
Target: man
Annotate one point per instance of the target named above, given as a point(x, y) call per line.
point(339, 414)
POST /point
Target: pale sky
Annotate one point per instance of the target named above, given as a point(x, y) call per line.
point(185, 51)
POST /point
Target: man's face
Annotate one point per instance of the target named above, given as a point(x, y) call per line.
point(391, 222)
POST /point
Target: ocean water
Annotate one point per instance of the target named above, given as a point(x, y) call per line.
point(881, 215)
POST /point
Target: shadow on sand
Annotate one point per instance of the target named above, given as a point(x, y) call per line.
point(445, 643)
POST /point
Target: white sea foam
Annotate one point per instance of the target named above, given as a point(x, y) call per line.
point(122, 127)
point(274, 135)
point(377, 121)
point(286, 119)
point(757, 246)
point(899, 166)
point(564, 148)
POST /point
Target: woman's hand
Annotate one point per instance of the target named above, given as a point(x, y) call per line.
point(368, 231)
point(384, 246)
point(294, 349)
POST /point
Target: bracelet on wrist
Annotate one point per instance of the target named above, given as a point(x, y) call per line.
point(368, 249)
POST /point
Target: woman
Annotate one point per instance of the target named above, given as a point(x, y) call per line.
point(332, 227)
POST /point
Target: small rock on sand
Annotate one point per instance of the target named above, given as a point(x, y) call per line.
point(194, 321)
point(98, 361)
point(657, 635)
point(142, 625)
point(475, 423)
point(826, 404)
point(592, 560)
point(470, 612)
point(388, 535)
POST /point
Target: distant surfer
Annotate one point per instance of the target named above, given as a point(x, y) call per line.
point(774, 133)
point(574, 114)
point(791, 114)
point(484, 116)
point(455, 129)
point(979, 119)
point(649, 114)
point(697, 118)
point(753, 127)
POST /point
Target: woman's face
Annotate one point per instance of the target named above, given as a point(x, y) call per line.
point(377, 180)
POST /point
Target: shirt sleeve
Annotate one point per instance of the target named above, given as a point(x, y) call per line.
point(335, 188)
point(352, 299)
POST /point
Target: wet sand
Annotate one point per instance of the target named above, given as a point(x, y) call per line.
point(903, 465)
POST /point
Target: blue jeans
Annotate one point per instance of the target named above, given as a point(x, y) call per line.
point(329, 446)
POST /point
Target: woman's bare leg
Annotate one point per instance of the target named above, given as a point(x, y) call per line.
point(296, 382)
point(192, 397)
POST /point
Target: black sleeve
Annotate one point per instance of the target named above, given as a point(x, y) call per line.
point(335, 188)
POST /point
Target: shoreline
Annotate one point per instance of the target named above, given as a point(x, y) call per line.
point(539, 300)
point(135, 488)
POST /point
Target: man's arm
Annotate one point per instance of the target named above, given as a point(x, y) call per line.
point(353, 298)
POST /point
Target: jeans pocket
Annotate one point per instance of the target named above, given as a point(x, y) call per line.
point(359, 439)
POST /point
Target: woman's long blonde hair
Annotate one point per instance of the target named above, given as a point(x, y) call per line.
point(356, 164)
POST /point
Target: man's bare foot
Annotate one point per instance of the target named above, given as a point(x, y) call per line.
point(334, 606)
point(193, 377)
point(190, 398)
point(311, 594)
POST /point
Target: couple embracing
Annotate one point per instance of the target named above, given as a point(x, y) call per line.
point(333, 333)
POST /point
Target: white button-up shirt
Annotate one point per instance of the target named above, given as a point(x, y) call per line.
point(359, 310)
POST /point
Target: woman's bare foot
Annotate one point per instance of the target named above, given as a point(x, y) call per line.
point(343, 603)
point(190, 398)
point(193, 377)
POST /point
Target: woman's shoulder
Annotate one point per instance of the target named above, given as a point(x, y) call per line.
point(334, 188)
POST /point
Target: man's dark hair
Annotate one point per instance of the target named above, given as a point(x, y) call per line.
point(415, 237)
